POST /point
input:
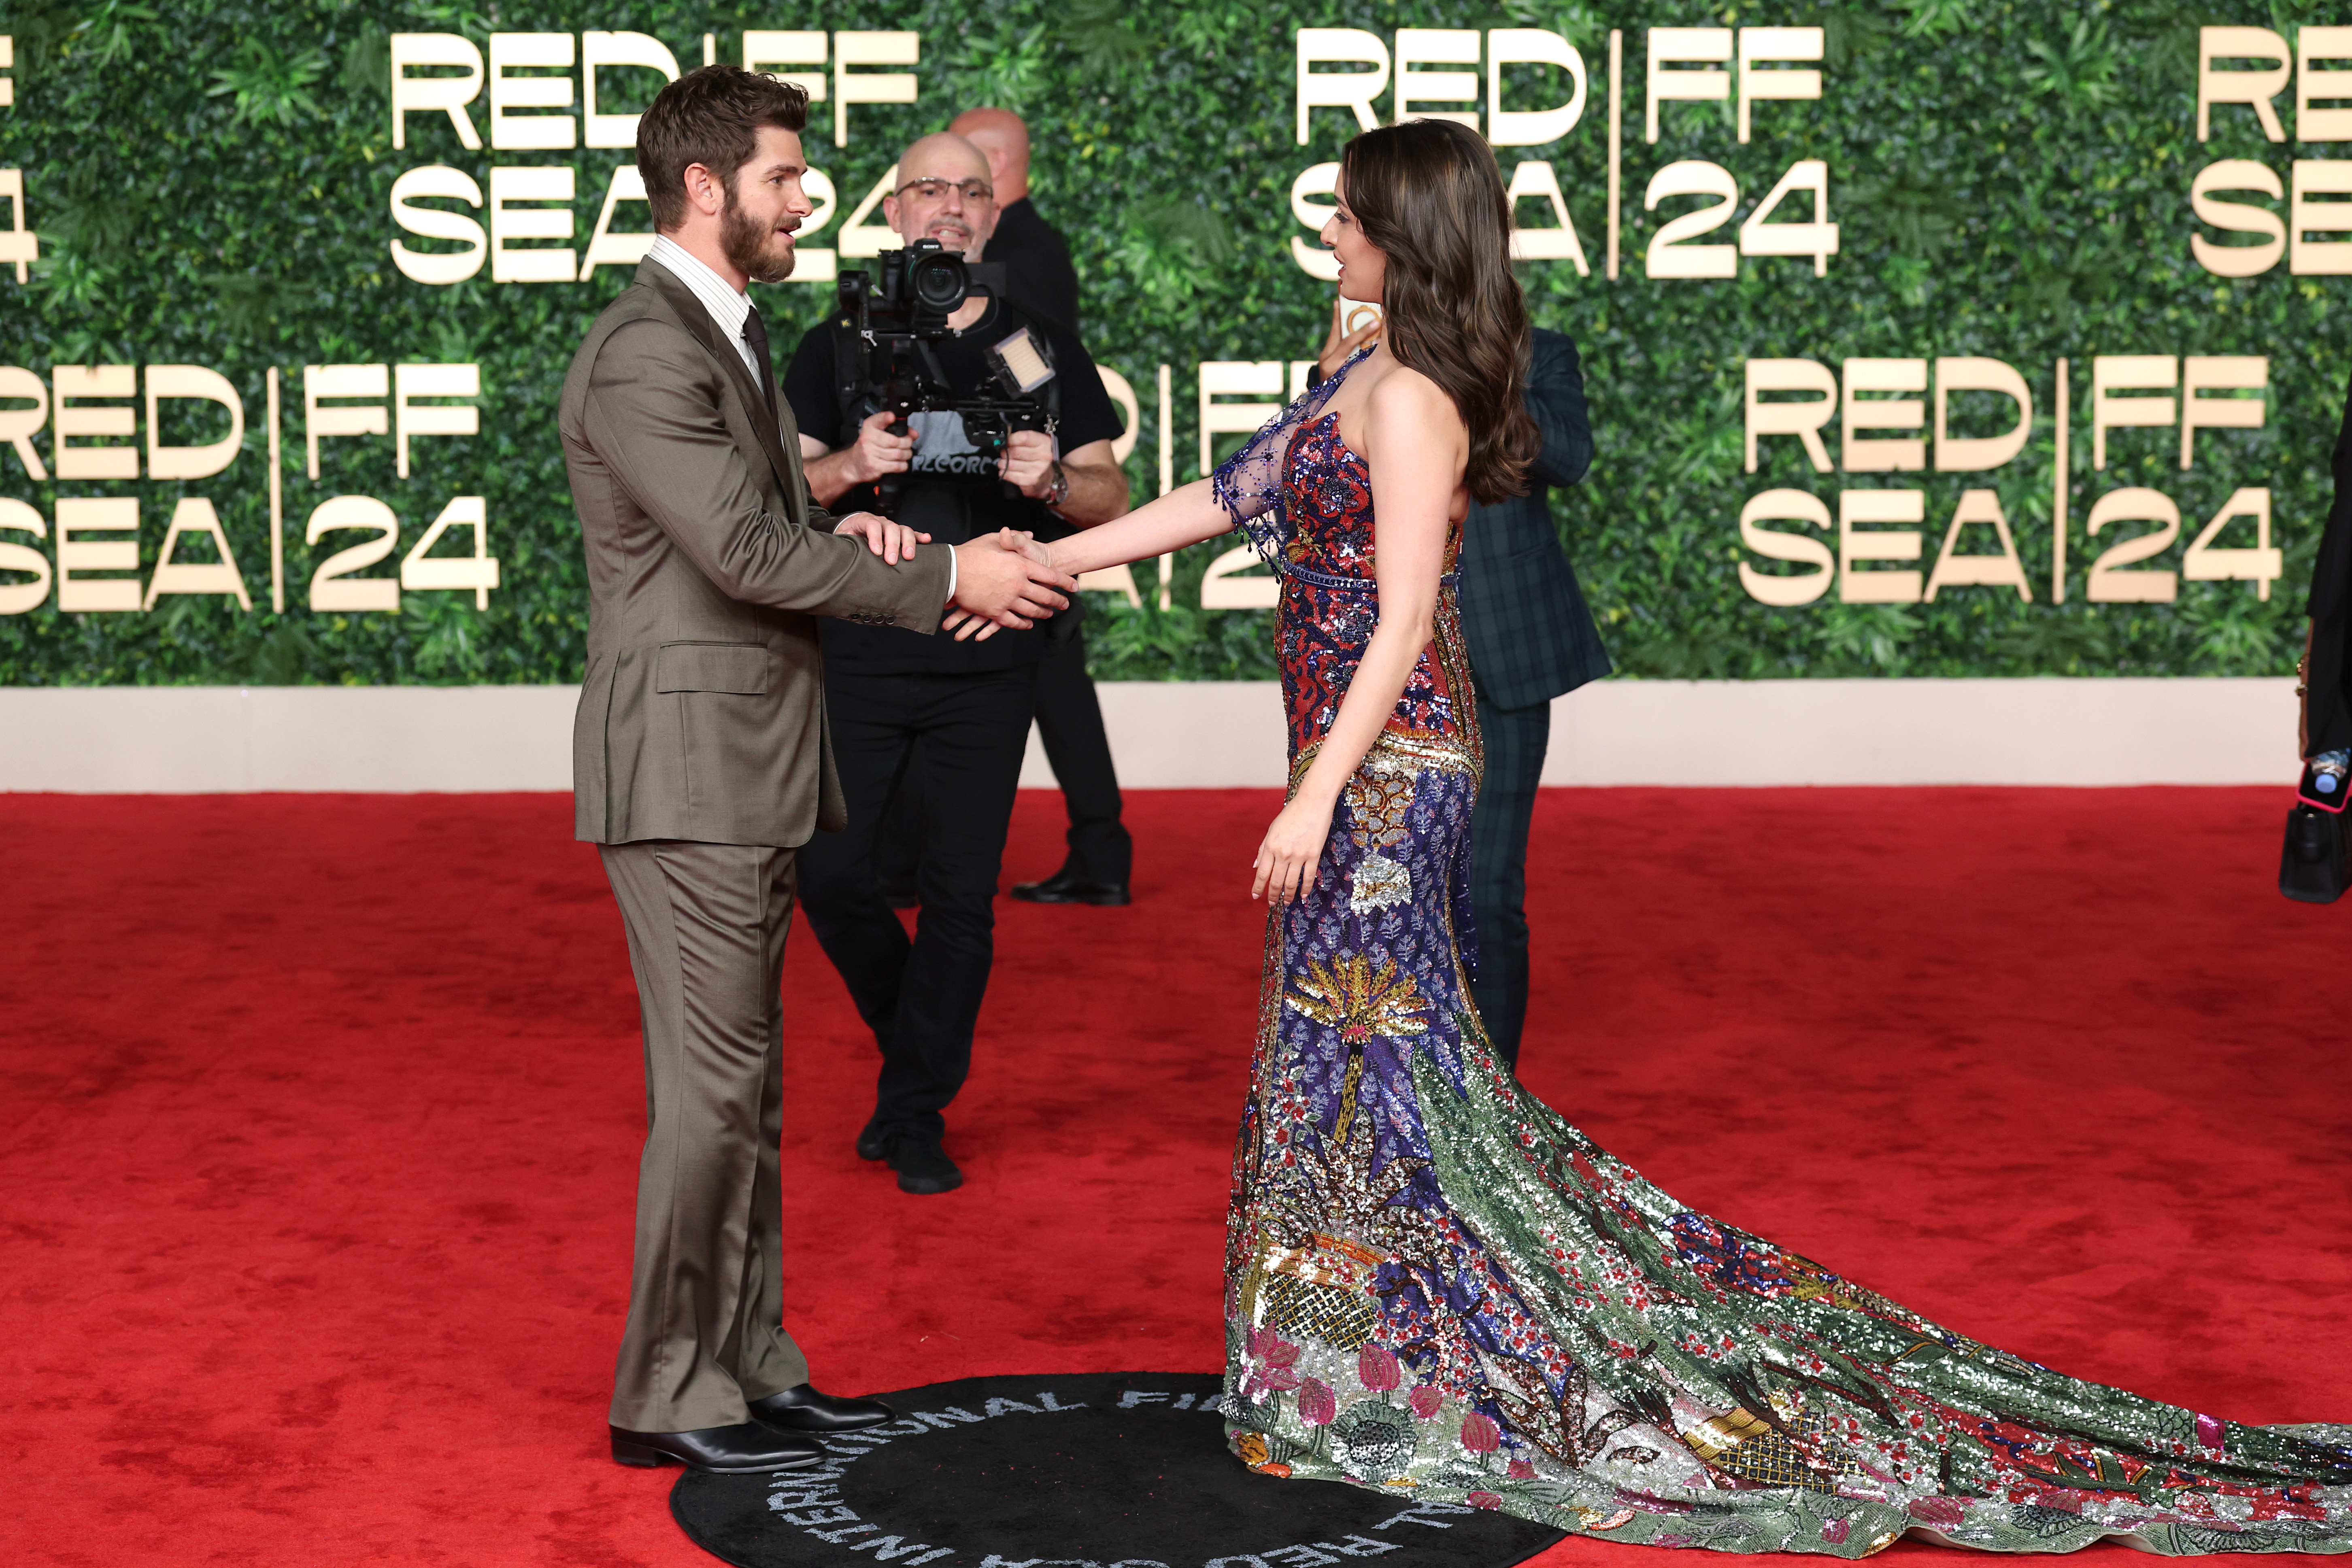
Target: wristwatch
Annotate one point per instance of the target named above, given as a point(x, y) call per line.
point(1061, 490)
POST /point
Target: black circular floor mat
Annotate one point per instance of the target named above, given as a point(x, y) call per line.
point(1124, 1469)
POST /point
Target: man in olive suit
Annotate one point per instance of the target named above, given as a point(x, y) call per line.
point(701, 758)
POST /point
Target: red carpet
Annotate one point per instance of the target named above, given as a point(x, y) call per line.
point(318, 1119)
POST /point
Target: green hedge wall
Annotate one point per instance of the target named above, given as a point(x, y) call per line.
point(212, 185)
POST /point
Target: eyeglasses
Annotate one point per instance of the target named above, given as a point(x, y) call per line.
point(937, 190)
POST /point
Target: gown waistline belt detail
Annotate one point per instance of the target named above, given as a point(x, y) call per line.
point(1348, 584)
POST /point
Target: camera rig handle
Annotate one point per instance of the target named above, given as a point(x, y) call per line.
point(885, 358)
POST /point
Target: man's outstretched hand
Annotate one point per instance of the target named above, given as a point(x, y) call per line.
point(1005, 579)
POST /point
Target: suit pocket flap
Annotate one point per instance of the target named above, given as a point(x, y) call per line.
point(738, 667)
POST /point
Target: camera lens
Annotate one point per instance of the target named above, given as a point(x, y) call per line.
point(939, 283)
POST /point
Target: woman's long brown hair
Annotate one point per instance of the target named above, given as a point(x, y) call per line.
point(1428, 193)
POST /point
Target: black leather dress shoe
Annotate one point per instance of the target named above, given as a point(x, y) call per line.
point(1064, 888)
point(922, 1165)
point(750, 1449)
point(802, 1408)
point(874, 1143)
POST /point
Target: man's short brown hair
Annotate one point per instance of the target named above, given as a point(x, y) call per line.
point(711, 116)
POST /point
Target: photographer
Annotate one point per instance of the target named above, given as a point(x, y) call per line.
point(957, 714)
point(1099, 855)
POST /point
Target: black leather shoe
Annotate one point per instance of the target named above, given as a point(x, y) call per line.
point(750, 1449)
point(874, 1143)
point(922, 1165)
point(802, 1408)
point(1064, 888)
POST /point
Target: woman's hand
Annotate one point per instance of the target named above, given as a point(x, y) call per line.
point(969, 627)
point(894, 542)
point(1293, 848)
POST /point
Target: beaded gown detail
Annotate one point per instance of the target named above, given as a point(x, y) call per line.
point(1436, 1287)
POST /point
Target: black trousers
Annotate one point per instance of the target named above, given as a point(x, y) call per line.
point(1070, 723)
point(1516, 739)
point(960, 737)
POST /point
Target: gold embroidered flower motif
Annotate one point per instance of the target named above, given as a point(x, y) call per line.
point(1379, 801)
point(1360, 1001)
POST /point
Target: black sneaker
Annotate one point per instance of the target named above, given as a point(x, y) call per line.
point(923, 1167)
point(874, 1143)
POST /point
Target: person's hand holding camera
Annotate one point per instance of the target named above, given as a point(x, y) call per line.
point(1004, 578)
point(878, 453)
point(1028, 465)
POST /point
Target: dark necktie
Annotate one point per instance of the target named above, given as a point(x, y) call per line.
point(755, 333)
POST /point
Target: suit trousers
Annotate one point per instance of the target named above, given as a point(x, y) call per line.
point(706, 926)
point(1070, 724)
point(1515, 740)
point(963, 736)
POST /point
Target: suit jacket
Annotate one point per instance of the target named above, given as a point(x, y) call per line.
point(1038, 272)
point(2329, 707)
point(702, 713)
point(1531, 636)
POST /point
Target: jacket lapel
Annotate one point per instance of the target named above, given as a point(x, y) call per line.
point(698, 322)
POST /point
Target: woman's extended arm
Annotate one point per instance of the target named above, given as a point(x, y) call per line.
point(1416, 446)
point(1178, 519)
point(1181, 517)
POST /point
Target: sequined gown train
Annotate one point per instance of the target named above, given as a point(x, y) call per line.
point(1436, 1286)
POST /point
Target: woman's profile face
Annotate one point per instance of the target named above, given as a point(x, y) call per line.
point(1362, 268)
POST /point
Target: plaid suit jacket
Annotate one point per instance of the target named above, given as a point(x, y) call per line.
point(1531, 636)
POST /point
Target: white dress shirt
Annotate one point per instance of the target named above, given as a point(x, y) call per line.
point(727, 308)
point(730, 307)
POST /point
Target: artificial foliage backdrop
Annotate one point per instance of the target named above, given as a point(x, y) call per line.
point(212, 186)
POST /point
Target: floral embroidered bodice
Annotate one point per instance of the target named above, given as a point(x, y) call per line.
point(1330, 602)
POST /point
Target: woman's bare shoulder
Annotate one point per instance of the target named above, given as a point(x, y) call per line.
point(1405, 393)
point(1406, 410)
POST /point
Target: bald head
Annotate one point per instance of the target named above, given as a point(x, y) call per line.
point(933, 201)
point(1001, 135)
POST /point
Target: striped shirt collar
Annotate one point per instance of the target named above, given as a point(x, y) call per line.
point(727, 308)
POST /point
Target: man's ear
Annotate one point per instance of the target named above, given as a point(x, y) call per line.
point(703, 191)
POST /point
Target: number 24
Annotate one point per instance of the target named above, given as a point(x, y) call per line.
point(1673, 255)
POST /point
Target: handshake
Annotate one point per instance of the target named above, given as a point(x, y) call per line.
point(1003, 579)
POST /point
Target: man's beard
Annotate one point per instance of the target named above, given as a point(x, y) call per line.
point(750, 247)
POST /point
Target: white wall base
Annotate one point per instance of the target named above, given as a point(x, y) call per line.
point(1203, 734)
point(2050, 731)
point(195, 740)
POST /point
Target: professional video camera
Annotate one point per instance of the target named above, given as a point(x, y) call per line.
point(887, 360)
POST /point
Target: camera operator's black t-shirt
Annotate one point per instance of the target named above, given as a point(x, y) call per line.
point(954, 509)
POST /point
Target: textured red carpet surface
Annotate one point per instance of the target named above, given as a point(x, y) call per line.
point(318, 1119)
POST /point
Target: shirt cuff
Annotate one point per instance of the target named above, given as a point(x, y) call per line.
point(953, 570)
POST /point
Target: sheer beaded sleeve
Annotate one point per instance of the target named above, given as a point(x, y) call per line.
point(1248, 485)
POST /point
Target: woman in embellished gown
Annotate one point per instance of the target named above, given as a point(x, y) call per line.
point(1436, 1286)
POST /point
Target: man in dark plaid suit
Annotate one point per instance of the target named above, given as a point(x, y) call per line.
point(1531, 639)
